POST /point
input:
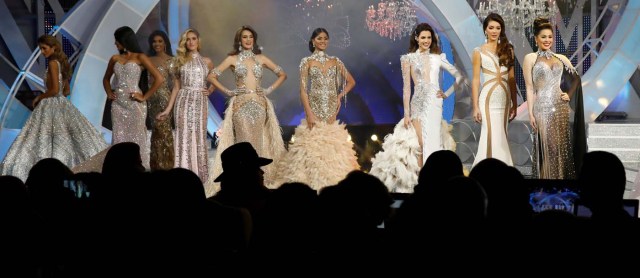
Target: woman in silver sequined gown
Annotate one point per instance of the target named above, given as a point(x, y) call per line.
point(321, 153)
point(250, 116)
point(161, 150)
point(129, 107)
point(55, 129)
point(422, 131)
point(190, 100)
point(558, 141)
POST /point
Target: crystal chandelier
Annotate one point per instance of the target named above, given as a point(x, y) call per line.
point(519, 14)
point(392, 19)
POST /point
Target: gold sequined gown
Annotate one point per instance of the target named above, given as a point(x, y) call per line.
point(397, 165)
point(249, 117)
point(190, 114)
point(128, 116)
point(552, 150)
point(494, 102)
point(55, 129)
point(324, 155)
point(161, 155)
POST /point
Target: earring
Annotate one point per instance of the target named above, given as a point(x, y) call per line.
point(485, 37)
point(498, 40)
point(239, 47)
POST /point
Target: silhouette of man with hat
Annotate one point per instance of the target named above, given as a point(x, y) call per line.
point(242, 180)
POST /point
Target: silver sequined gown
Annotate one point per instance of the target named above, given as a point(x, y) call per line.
point(129, 115)
point(249, 117)
point(55, 129)
point(552, 153)
point(324, 155)
point(190, 114)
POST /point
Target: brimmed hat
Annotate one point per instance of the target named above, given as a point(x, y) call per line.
point(239, 157)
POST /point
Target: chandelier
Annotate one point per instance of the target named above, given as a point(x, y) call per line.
point(392, 19)
point(519, 14)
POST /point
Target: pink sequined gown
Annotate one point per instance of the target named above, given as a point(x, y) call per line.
point(190, 114)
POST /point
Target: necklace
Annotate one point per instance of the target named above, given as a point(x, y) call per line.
point(246, 54)
point(320, 56)
point(547, 54)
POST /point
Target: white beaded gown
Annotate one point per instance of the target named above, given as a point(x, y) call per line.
point(397, 165)
point(55, 129)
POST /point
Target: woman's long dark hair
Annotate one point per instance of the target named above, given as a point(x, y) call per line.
point(238, 37)
point(504, 49)
point(127, 38)
point(165, 38)
point(316, 33)
point(413, 42)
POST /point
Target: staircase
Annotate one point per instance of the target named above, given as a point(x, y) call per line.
point(623, 140)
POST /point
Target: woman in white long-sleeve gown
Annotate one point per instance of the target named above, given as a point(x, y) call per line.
point(422, 131)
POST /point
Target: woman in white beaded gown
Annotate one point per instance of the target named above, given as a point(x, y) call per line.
point(55, 129)
point(320, 155)
point(422, 131)
point(496, 104)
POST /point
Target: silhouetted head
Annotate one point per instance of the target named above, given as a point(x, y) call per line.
point(602, 180)
point(122, 159)
point(46, 179)
point(240, 159)
point(439, 167)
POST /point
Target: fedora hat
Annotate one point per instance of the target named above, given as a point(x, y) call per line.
point(239, 157)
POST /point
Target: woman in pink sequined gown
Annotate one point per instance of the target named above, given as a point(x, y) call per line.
point(190, 99)
point(129, 107)
point(250, 116)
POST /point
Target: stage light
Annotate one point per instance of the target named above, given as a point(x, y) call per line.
point(374, 138)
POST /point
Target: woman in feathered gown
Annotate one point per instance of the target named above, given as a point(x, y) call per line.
point(55, 129)
point(422, 131)
point(321, 154)
point(250, 116)
point(190, 100)
point(496, 104)
point(161, 151)
point(554, 94)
